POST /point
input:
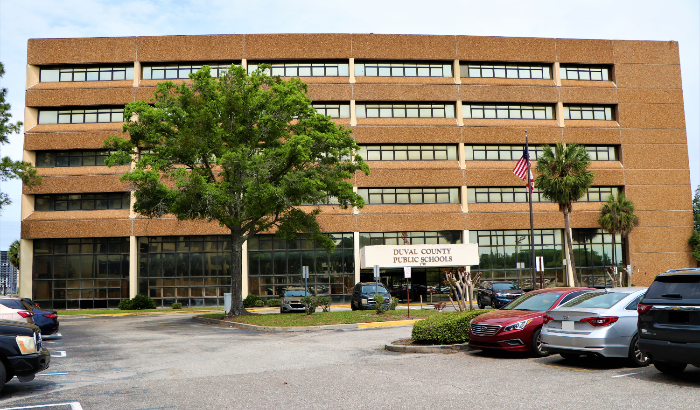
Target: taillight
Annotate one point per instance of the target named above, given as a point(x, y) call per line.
point(24, 313)
point(51, 316)
point(601, 320)
point(546, 319)
point(643, 308)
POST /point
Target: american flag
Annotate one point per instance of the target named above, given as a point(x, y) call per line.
point(520, 169)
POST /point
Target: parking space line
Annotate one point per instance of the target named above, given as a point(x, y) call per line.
point(61, 353)
point(623, 375)
point(51, 374)
point(73, 405)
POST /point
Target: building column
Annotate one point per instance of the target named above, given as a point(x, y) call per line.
point(133, 267)
point(26, 262)
point(356, 254)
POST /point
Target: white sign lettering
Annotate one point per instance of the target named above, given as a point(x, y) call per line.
point(394, 256)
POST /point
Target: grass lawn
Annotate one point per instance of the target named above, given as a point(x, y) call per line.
point(321, 318)
point(117, 311)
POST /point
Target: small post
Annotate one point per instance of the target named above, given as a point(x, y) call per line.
point(305, 275)
point(407, 275)
point(376, 278)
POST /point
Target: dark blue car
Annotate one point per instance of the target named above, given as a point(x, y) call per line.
point(47, 320)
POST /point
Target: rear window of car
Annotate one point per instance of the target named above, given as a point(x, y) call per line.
point(12, 304)
point(504, 286)
point(601, 300)
point(373, 288)
point(294, 293)
point(675, 287)
point(534, 301)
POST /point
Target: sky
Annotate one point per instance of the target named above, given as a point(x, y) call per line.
point(677, 20)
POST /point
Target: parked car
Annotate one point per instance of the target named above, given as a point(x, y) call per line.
point(363, 295)
point(496, 294)
point(669, 320)
point(47, 320)
point(21, 351)
point(11, 308)
point(600, 323)
point(516, 327)
point(291, 300)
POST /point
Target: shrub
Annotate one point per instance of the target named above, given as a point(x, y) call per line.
point(309, 303)
point(274, 302)
point(142, 302)
point(125, 304)
point(324, 302)
point(250, 301)
point(394, 303)
point(447, 328)
point(259, 303)
point(177, 305)
point(379, 304)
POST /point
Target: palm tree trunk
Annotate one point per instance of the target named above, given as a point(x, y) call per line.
point(567, 228)
point(614, 262)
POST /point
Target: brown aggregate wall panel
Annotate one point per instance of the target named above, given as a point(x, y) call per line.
point(471, 165)
point(172, 227)
point(67, 140)
point(337, 223)
point(588, 95)
point(660, 239)
point(297, 46)
point(43, 51)
point(78, 184)
point(410, 178)
point(505, 208)
point(516, 49)
point(504, 177)
point(609, 177)
point(650, 96)
point(328, 210)
point(145, 94)
point(95, 215)
point(591, 124)
point(403, 80)
point(76, 229)
point(412, 222)
point(587, 84)
point(517, 82)
point(595, 166)
point(82, 84)
point(592, 135)
point(80, 97)
point(585, 51)
point(498, 134)
point(472, 93)
point(406, 135)
point(412, 209)
point(657, 176)
point(665, 218)
point(513, 220)
point(504, 123)
point(404, 92)
point(330, 92)
point(110, 126)
point(403, 47)
point(191, 48)
point(655, 156)
point(651, 264)
point(648, 76)
point(653, 136)
point(659, 197)
point(649, 52)
point(83, 171)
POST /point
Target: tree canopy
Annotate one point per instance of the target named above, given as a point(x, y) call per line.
point(10, 169)
point(248, 151)
point(13, 254)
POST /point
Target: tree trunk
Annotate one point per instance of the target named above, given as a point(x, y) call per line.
point(236, 275)
point(614, 262)
point(567, 228)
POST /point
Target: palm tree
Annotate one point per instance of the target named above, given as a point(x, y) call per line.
point(13, 254)
point(564, 178)
point(617, 217)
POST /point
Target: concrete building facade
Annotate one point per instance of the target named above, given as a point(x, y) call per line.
point(441, 121)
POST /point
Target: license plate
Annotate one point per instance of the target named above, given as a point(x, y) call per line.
point(567, 325)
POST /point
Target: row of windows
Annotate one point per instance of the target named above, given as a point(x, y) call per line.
point(81, 116)
point(82, 202)
point(74, 158)
point(329, 69)
point(409, 195)
point(514, 152)
point(410, 238)
point(518, 194)
point(408, 152)
point(504, 111)
point(405, 110)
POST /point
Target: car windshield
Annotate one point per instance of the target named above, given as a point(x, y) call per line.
point(601, 300)
point(294, 293)
point(505, 286)
point(534, 301)
point(675, 287)
point(373, 289)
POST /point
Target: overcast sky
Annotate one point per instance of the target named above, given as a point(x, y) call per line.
point(676, 20)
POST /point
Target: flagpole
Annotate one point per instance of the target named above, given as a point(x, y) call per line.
point(532, 224)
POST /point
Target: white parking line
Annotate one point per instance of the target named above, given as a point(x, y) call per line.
point(60, 353)
point(73, 405)
point(51, 374)
point(623, 375)
point(53, 336)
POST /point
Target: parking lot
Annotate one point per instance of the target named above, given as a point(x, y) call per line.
point(174, 362)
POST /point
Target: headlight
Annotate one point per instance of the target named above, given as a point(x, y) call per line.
point(364, 301)
point(26, 344)
point(285, 302)
point(518, 325)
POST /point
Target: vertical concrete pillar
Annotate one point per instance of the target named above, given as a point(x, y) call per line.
point(33, 76)
point(244, 64)
point(133, 267)
point(351, 70)
point(557, 74)
point(356, 253)
point(244, 270)
point(26, 267)
point(463, 199)
point(457, 75)
point(353, 115)
point(137, 73)
point(458, 113)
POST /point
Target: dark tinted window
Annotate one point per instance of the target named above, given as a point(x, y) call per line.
point(504, 286)
point(12, 304)
point(294, 293)
point(534, 301)
point(675, 287)
point(634, 303)
point(571, 296)
point(600, 300)
point(371, 289)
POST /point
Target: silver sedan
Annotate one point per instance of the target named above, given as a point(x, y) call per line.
point(601, 323)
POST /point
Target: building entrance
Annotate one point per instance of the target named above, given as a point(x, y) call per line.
point(425, 284)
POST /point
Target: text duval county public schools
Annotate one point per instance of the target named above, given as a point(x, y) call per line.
point(422, 259)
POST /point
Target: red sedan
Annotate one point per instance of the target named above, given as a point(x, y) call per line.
point(516, 326)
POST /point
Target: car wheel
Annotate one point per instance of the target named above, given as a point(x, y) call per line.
point(352, 306)
point(670, 368)
point(479, 303)
point(493, 303)
point(569, 356)
point(636, 357)
point(281, 311)
point(3, 376)
point(537, 348)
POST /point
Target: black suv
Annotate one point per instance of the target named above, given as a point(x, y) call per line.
point(363, 295)
point(669, 320)
point(21, 351)
point(496, 294)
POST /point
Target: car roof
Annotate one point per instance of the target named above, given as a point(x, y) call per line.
point(560, 289)
point(683, 271)
point(629, 290)
point(370, 283)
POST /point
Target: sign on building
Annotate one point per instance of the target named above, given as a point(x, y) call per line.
point(397, 256)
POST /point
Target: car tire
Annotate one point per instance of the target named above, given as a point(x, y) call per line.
point(637, 358)
point(569, 356)
point(537, 349)
point(3, 375)
point(352, 306)
point(669, 367)
point(493, 303)
point(281, 311)
point(479, 303)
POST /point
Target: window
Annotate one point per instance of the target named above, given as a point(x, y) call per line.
point(386, 69)
point(585, 73)
point(514, 152)
point(524, 112)
point(409, 195)
point(76, 158)
point(181, 70)
point(405, 110)
point(333, 110)
point(82, 202)
point(410, 238)
point(588, 112)
point(488, 70)
point(305, 69)
point(86, 73)
point(408, 152)
point(79, 116)
point(519, 195)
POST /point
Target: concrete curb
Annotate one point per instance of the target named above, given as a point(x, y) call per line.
point(427, 349)
point(279, 329)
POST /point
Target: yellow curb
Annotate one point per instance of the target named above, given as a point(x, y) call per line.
point(386, 324)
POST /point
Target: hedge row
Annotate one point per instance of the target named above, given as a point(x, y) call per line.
point(445, 328)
